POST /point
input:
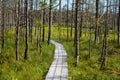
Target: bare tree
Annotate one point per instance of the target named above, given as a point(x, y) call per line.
point(72, 18)
point(119, 25)
point(26, 30)
point(97, 29)
point(59, 19)
point(114, 19)
point(67, 20)
point(31, 19)
point(17, 28)
point(77, 32)
point(50, 22)
point(81, 21)
point(3, 24)
point(104, 51)
point(44, 21)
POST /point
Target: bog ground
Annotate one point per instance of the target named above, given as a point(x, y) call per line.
point(59, 39)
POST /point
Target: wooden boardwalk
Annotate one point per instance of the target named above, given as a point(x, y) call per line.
point(59, 67)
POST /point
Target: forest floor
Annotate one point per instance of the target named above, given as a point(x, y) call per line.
point(37, 66)
point(59, 67)
point(89, 68)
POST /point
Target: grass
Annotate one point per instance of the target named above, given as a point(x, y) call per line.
point(89, 69)
point(35, 68)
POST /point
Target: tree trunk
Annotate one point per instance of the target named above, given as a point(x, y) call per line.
point(72, 17)
point(3, 25)
point(114, 22)
point(97, 29)
point(50, 22)
point(76, 33)
point(67, 20)
point(26, 31)
point(59, 20)
point(80, 34)
point(31, 19)
point(90, 38)
point(119, 25)
point(104, 54)
point(17, 32)
point(44, 20)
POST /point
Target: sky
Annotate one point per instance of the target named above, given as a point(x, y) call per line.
point(65, 2)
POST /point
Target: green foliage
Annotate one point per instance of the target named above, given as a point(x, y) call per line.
point(42, 3)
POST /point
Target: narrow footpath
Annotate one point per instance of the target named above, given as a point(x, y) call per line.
point(59, 67)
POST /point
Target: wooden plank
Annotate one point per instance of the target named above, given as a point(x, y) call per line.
point(59, 67)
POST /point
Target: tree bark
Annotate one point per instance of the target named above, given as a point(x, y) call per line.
point(119, 25)
point(114, 22)
point(59, 19)
point(97, 29)
point(31, 20)
point(67, 20)
point(3, 25)
point(72, 18)
point(77, 33)
point(50, 22)
point(17, 32)
point(44, 20)
point(90, 37)
point(26, 31)
point(81, 25)
point(104, 54)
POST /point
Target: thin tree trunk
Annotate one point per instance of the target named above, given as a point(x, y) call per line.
point(17, 32)
point(67, 20)
point(31, 19)
point(104, 54)
point(26, 31)
point(97, 29)
point(3, 25)
point(59, 20)
point(50, 22)
point(72, 18)
point(44, 21)
point(114, 22)
point(80, 34)
point(36, 16)
point(119, 25)
point(90, 37)
point(77, 33)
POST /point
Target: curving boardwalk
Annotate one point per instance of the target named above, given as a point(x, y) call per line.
point(59, 67)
